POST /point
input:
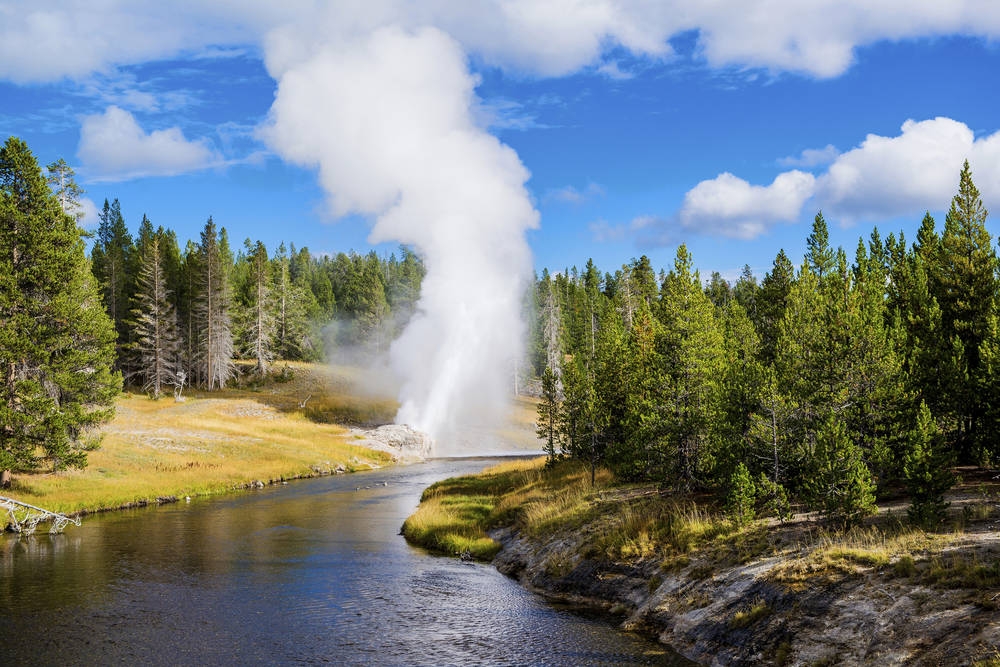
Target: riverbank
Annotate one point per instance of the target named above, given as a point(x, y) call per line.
point(792, 593)
point(294, 425)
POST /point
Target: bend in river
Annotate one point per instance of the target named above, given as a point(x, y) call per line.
point(314, 571)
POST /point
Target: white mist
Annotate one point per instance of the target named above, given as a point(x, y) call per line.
point(389, 121)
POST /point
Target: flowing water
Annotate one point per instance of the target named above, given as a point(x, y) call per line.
point(313, 571)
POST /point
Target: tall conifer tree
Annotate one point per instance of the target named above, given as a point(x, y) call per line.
point(56, 342)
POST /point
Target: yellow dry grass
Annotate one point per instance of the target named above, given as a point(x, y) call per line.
point(210, 443)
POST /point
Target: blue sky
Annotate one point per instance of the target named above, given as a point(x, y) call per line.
point(614, 145)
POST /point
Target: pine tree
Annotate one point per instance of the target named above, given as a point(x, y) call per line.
point(839, 483)
point(211, 310)
point(113, 263)
point(747, 293)
point(547, 424)
point(56, 343)
point(773, 299)
point(819, 254)
point(803, 387)
point(157, 347)
point(718, 290)
point(927, 471)
point(293, 302)
point(738, 433)
point(742, 496)
point(612, 393)
point(573, 412)
point(187, 311)
point(258, 327)
point(646, 449)
point(692, 356)
point(64, 188)
point(871, 364)
point(967, 277)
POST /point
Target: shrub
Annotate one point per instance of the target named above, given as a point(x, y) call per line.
point(750, 615)
point(742, 496)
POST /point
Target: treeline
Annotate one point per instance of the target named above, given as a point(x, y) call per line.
point(183, 316)
point(820, 385)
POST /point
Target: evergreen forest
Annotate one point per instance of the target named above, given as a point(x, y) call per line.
point(821, 385)
point(192, 312)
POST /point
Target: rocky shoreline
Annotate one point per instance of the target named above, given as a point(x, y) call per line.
point(753, 613)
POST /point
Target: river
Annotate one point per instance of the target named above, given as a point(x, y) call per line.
point(314, 571)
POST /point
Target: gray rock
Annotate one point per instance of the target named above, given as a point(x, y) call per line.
point(400, 440)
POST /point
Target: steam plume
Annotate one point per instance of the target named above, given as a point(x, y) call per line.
point(388, 121)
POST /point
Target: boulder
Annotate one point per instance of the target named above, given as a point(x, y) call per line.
point(405, 439)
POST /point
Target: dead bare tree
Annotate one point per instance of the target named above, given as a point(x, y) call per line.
point(157, 345)
point(212, 310)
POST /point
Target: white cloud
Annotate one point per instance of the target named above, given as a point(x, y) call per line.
point(501, 113)
point(545, 38)
point(113, 147)
point(611, 70)
point(730, 206)
point(811, 157)
point(648, 225)
point(571, 195)
point(886, 177)
point(882, 178)
point(87, 214)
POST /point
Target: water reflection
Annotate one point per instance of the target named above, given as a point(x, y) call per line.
point(314, 571)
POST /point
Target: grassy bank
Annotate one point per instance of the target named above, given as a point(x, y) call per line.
point(455, 514)
point(627, 523)
point(215, 442)
point(620, 521)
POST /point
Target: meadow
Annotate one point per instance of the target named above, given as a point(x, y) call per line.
point(293, 425)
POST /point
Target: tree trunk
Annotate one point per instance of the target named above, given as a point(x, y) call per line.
point(5, 479)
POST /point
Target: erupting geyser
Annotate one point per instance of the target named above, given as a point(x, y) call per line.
point(389, 121)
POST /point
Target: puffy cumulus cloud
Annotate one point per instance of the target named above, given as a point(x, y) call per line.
point(730, 206)
point(885, 177)
point(389, 121)
point(114, 147)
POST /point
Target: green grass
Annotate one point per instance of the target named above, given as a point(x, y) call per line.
point(963, 571)
point(455, 514)
point(750, 615)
